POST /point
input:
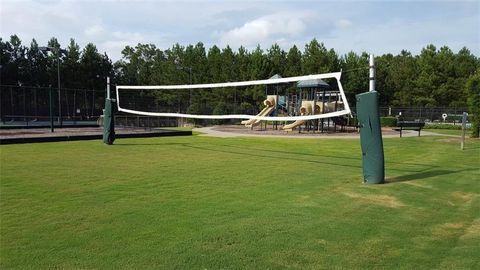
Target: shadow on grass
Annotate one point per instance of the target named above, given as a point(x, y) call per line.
point(422, 171)
point(423, 167)
point(288, 152)
point(250, 152)
point(149, 144)
point(236, 147)
point(279, 157)
point(281, 154)
point(423, 175)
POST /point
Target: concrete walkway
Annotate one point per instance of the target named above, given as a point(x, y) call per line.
point(213, 131)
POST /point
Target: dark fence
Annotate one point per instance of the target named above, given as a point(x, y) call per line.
point(147, 122)
point(454, 115)
point(32, 104)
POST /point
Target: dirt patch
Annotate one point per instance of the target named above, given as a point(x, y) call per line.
point(461, 198)
point(306, 200)
point(457, 230)
point(418, 184)
point(451, 140)
point(447, 230)
point(382, 200)
point(473, 231)
point(452, 225)
point(321, 241)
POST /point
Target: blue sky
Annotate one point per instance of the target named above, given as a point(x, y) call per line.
point(373, 26)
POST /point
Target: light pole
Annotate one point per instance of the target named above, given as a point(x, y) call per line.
point(189, 69)
point(190, 82)
point(57, 52)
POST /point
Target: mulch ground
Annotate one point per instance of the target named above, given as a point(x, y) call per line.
point(270, 130)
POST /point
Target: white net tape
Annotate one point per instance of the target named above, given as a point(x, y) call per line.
point(336, 75)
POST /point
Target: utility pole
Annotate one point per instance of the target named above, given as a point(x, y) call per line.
point(59, 93)
point(57, 52)
point(190, 81)
point(50, 103)
point(189, 69)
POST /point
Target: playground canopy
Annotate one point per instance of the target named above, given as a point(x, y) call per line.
point(276, 76)
point(313, 83)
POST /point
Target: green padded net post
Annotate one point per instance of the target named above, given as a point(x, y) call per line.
point(109, 121)
point(371, 138)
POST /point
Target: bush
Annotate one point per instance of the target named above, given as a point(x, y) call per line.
point(194, 108)
point(220, 109)
point(388, 121)
point(443, 126)
point(246, 108)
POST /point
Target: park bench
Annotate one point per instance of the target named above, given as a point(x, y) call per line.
point(409, 125)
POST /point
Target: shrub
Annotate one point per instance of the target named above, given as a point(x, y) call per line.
point(194, 108)
point(220, 109)
point(388, 121)
point(246, 108)
point(472, 87)
point(443, 126)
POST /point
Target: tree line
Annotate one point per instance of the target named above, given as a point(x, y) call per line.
point(436, 77)
point(30, 66)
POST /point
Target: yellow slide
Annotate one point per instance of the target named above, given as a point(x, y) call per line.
point(307, 108)
point(270, 104)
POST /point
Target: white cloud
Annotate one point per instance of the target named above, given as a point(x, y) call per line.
point(398, 34)
point(266, 29)
point(94, 31)
point(344, 26)
point(343, 23)
point(117, 40)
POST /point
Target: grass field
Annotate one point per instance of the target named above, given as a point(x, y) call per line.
point(211, 203)
point(455, 132)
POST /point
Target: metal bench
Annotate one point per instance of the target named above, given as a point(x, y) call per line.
point(409, 125)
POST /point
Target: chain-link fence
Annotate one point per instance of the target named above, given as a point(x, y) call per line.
point(30, 106)
point(147, 122)
point(433, 115)
point(25, 105)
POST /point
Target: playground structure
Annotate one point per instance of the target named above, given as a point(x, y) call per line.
point(311, 97)
point(270, 105)
point(310, 107)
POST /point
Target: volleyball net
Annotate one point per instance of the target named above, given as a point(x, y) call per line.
point(276, 99)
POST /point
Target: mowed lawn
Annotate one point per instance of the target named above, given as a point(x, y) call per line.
point(239, 203)
point(455, 132)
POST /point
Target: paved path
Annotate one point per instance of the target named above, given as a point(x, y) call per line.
point(214, 132)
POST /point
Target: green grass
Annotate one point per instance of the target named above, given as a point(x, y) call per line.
point(211, 203)
point(449, 131)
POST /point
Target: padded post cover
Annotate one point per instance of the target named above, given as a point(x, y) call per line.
point(109, 121)
point(371, 138)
